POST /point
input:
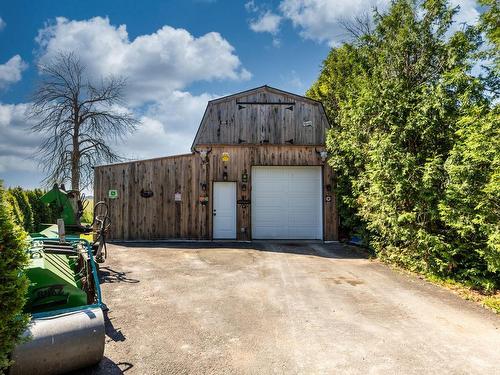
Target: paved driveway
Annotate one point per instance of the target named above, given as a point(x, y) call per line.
point(284, 308)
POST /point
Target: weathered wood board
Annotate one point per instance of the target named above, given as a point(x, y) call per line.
point(162, 217)
point(263, 116)
point(171, 197)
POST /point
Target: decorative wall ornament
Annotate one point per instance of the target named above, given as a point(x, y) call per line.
point(204, 154)
point(323, 154)
point(146, 193)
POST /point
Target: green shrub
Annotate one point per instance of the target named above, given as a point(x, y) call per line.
point(88, 212)
point(13, 284)
point(25, 207)
point(414, 142)
point(17, 213)
point(42, 213)
point(471, 203)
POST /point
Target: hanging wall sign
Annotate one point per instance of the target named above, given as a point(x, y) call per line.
point(177, 196)
point(112, 194)
point(146, 193)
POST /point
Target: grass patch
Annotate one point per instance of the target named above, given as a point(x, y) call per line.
point(490, 301)
point(468, 292)
point(88, 212)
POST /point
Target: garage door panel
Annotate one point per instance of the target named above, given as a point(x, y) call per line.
point(269, 205)
point(270, 232)
point(270, 189)
point(302, 187)
point(300, 233)
point(302, 220)
point(286, 203)
point(301, 200)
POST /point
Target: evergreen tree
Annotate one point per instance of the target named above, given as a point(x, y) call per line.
point(13, 284)
point(398, 98)
point(17, 213)
point(471, 205)
point(24, 205)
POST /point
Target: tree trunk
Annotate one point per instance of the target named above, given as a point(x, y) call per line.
point(75, 170)
point(75, 159)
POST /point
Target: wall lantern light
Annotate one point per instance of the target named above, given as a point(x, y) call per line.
point(323, 155)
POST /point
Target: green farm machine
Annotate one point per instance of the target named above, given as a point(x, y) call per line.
point(66, 331)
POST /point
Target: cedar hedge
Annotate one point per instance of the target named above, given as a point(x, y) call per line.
point(13, 283)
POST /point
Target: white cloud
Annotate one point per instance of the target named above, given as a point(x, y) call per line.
point(168, 126)
point(159, 68)
point(267, 22)
point(16, 144)
point(2, 24)
point(320, 20)
point(155, 64)
point(250, 6)
point(292, 79)
point(468, 12)
point(11, 71)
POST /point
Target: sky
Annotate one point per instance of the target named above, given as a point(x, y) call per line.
point(175, 55)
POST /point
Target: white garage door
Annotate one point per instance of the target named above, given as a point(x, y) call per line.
point(286, 203)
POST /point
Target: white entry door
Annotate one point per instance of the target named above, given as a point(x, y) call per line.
point(224, 210)
point(287, 203)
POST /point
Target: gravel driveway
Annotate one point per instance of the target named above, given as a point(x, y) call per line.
point(283, 308)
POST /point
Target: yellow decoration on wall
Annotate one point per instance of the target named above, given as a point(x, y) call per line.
point(225, 157)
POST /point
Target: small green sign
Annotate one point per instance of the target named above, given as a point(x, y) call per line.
point(113, 194)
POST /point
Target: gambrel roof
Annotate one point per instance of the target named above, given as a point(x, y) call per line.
point(263, 115)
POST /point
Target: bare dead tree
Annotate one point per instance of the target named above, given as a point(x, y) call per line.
point(77, 120)
point(358, 27)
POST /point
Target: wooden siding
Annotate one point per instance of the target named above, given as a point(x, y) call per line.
point(160, 217)
point(226, 122)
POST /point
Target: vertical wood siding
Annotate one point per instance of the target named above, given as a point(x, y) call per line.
point(160, 217)
point(226, 122)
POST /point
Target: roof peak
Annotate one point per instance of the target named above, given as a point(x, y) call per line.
point(265, 87)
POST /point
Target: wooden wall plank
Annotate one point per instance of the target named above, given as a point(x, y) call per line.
point(227, 122)
point(160, 217)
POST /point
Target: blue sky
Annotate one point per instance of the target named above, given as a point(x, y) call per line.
point(177, 55)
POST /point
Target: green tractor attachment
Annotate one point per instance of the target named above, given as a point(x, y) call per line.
point(66, 331)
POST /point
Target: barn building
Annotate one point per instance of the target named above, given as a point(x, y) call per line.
point(257, 171)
